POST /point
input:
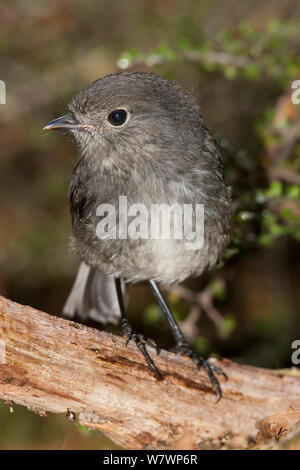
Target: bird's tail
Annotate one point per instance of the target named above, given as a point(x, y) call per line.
point(93, 296)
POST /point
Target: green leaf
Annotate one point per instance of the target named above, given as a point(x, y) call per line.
point(252, 71)
point(201, 344)
point(230, 252)
point(293, 192)
point(230, 72)
point(266, 239)
point(275, 189)
point(228, 325)
point(153, 314)
point(218, 289)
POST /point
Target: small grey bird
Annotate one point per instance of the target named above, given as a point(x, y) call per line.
point(143, 137)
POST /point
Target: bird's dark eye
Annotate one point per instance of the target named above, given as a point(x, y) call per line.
point(117, 117)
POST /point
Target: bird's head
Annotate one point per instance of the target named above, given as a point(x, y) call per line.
point(130, 114)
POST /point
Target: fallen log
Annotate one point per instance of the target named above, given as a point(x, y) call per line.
point(49, 364)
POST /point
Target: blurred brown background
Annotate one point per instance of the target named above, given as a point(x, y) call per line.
point(238, 59)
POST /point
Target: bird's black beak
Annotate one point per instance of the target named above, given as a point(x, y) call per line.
point(63, 122)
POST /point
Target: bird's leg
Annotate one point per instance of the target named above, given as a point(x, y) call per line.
point(129, 334)
point(184, 348)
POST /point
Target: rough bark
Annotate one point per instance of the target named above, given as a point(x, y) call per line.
point(52, 364)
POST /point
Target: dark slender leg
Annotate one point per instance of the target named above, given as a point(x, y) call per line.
point(129, 334)
point(182, 345)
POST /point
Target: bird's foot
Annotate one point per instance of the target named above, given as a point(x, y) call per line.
point(184, 349)
point(141, 341)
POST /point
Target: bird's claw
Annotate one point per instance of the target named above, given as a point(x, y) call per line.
point(211, 369)
point(141, 341)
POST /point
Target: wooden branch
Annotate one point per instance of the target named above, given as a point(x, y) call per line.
point(52, 364)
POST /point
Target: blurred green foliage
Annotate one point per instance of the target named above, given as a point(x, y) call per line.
point(244, 50)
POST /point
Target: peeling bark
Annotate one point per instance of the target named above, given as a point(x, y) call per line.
point(52, 364)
